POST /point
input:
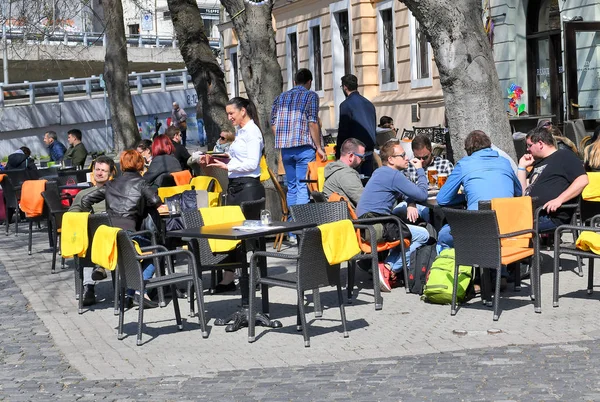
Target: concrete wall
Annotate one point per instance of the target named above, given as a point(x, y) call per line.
point(26, 125)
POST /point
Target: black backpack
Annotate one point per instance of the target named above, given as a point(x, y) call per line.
point(420, 262)
point(187, 201)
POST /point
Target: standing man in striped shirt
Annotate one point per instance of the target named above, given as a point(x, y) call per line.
point(294, 120)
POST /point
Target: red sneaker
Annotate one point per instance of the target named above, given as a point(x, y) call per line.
point(384, 278)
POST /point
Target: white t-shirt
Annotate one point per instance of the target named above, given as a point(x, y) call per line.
point(245, 152)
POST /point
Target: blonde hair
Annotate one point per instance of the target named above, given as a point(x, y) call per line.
point(591, 155)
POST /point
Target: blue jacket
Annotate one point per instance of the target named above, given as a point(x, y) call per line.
point(484, 175)
point(57, 151)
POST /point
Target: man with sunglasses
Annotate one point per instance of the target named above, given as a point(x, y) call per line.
point(423, 151)
point(341, 176)
point(388, 185)
point(557, 177)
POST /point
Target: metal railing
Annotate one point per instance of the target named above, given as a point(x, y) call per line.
point(92, 39)
point(30, 93)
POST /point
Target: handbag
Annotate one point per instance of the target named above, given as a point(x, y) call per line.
point(67, 195)
point(183, 125)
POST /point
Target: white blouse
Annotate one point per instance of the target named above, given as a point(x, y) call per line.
point(245, 152)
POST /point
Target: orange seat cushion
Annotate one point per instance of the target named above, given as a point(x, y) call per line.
point(366, 247)
point(512, 254)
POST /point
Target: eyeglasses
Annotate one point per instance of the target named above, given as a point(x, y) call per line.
point(423, 158)
point(530, 145)
point(402, 155)
point(361, 156)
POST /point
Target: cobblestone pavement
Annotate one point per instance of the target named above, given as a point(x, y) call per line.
point(405, 352)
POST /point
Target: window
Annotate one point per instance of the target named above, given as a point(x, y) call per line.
point(291, 46)
point(166, 15)
point(387, 46)
point(234, 73)
point(420, 56)
point(344, 29)
point(134, 29)
point(315, 60)
point(294, 53)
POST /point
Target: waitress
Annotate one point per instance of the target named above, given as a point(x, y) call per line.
point(244, 153)
point(243, 166)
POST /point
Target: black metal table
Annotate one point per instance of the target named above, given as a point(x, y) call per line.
point(226, 231)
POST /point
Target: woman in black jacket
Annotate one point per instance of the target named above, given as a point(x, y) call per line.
point(129, 199)
point(163, 162)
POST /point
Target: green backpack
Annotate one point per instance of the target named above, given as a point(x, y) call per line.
point(440, 280)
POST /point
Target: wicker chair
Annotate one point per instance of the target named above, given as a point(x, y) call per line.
point(94, 222)
point(477, 243)
point(130, 277)
point(252, 209)
point(206, 259)
point(11, 203)
point(312, 272)
point(55, 210)
point(590, 217)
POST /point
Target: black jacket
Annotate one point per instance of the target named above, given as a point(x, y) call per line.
point(161, 166)
point(182, 155)
point(19, 160)
point(129, 198)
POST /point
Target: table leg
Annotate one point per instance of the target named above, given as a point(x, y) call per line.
point(239, 319)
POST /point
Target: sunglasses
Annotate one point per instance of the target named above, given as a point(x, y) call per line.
point(423, 158)
point(222, 138)
point(402, 155)
point(361, 156)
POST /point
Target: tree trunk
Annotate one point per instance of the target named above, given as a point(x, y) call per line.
point(125, 131)
point(468, 75)
point(208, 78)
point(258, 62)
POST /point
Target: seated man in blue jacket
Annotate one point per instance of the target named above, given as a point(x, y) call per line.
point(483, 173)
point(388, 185)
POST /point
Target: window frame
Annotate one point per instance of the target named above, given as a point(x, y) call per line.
point(414, 81)
point(233, 80)
point(311, 56)
point(392, 85)
point(288, 53)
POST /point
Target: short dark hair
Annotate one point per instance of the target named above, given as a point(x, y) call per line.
point(107, 160)
point(303, 76)
point(26, 151)
point(145, 144)
point(385, 121)
point(351, 145)
point(52, 134)
point(350, 81)
point(387, 150)
point(75, 133)
point(172, 131)
point(477, 140)
point(420, 142)
point(541, 134)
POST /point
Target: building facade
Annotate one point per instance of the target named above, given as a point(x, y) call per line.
point(541, 46)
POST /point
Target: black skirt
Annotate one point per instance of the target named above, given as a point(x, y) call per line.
point(244, 189)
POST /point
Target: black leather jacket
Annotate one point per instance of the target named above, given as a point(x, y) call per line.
point(128, 200)
point(161, 165)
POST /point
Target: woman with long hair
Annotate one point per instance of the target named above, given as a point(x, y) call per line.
point(591, 154)
point(243, 166)
point(163, 162)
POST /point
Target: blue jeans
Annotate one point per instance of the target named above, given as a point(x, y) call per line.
point(295, 162)
point(545, 224)
point(147, 265)
point(445, 239)
point(420, 235)
point(400, 210)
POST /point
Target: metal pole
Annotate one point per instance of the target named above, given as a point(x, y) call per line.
point(5, 54)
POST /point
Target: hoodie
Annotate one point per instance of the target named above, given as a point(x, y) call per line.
point(18, 160)
point(344, 180)
point(484, 175)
